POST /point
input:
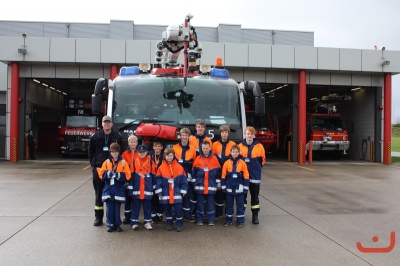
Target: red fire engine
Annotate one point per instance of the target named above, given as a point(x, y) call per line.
point(327, 131)
point(154, 103)
point(77, 125)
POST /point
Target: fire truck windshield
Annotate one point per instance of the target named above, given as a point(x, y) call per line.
point(328, 122)
point(165, 100)
point(81, 121)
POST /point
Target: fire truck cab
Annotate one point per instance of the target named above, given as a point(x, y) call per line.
point(77, 125)
point(327, 131)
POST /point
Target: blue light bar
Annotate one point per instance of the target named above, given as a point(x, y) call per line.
point(219, 72)
point(128, 71)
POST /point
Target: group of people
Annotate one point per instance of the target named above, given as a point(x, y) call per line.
point(192, 181)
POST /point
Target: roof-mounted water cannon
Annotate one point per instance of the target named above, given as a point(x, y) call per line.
point(174, 39)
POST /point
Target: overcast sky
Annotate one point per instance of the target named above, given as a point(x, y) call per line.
point(336, 23)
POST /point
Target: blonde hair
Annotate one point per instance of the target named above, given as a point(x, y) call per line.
point(132, 137)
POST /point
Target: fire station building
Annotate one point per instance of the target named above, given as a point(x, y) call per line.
point(44, 65)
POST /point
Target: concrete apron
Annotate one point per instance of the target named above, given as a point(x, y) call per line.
point(310, 215)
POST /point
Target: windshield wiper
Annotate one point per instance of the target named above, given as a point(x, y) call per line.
point(128, 125)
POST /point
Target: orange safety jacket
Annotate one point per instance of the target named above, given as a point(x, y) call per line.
point(206, 174)
point(189, 154)
point(142, 182)
point(196, 140)
point(114, 174)
point(130, 158)
point(171, 182)
point(255, 159)
point(222, 150)
point(235, 176)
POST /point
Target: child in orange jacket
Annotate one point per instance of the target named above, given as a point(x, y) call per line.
point(206, 175)
point(129, 156)
point(114, 172)
point(235, 182)
point(171, 187)
point(141, 188)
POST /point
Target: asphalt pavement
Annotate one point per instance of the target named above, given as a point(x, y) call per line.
point(310, 215)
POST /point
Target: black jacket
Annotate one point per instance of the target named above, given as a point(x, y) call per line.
point(31, 141)
point(97, 155)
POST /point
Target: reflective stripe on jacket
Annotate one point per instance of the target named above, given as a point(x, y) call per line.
point(114, 175)
point(141, 184)
point(255, 160)
point(206, 174)
point(235, 177)
point(171, 182)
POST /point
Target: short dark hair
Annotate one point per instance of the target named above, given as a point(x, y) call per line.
point(115, 147)
point(157, 142)
point(235, 147)
point(206, 142)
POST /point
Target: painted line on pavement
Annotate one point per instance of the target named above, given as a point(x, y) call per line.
point(302, 167)
point(83, 169)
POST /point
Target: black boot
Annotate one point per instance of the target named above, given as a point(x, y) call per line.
point(255, 219)
point(99, 217)
point(98, 222)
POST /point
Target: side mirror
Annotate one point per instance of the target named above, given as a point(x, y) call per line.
point(259, 106)
point(101, 84)
point(96, 103)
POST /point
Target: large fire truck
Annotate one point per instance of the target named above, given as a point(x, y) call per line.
point(327, 131)
point(154, 103)
point(77, 125)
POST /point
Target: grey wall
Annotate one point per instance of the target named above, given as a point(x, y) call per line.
point(127, 30)
point(361, 112)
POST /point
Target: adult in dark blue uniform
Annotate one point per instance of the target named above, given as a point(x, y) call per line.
point(99, 150)
point(31, 145)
